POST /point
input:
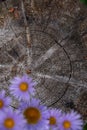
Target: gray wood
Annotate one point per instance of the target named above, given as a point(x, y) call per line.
point(57, 57)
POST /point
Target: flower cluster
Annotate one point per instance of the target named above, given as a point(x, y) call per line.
point(31, 114)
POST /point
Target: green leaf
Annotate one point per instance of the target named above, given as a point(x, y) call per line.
point(85, 127)
point(84, 1)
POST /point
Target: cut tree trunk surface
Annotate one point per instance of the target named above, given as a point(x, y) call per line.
point(57, 57)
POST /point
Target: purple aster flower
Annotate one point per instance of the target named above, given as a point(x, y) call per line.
point(22, 88)
point(36, 115)
point(11, 120)
point(54, 117)
point(4, 101)
point(70, 121)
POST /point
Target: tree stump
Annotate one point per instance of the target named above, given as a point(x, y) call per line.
point(57, 57)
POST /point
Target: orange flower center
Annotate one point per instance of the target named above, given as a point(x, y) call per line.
point(23, 86)
point(32, 115)
point(9, 123)
point(1, 104)
point(52, 120)
point(66, 124)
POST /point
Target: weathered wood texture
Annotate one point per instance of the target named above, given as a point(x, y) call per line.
point(57, 57)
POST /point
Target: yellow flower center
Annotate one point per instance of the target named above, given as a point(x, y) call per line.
point(9, 123)
point(23, 86)
point(1, 104)
point(66, 124)
point(32, 115)
point(52, 121)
